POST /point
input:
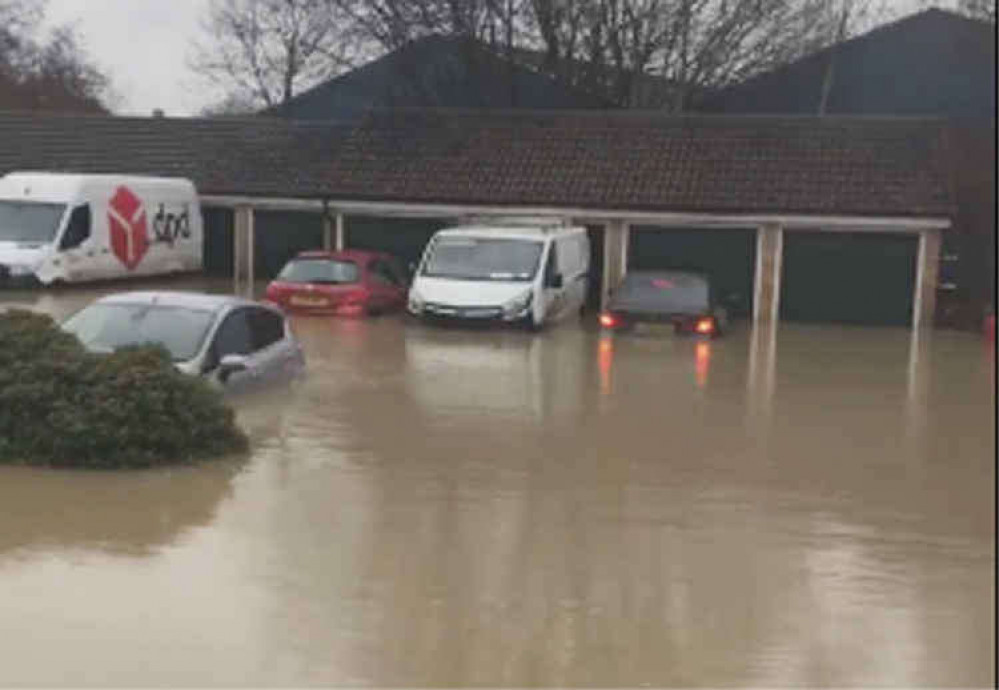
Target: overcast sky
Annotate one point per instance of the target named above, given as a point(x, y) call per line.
point(144, 44)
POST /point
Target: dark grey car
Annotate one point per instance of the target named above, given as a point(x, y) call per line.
point(684, 299)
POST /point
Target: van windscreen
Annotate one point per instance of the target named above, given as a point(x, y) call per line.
point(482, 258)
point(29, 222)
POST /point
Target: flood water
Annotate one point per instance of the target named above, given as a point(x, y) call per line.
point(809, 506)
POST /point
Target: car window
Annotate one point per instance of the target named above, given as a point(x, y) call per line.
point(107, 327)
point(266, 328)
point(319, 270)
point(381, 272)
point(551, 266)
point(234, 336)
point(78, 229)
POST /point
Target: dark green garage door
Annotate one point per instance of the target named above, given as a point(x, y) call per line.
point(278, 235)
point(727, 256)
point(403, 238)
point(861, 278)
point(217, 240)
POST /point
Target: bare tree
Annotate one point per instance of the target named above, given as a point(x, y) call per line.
point(268, 50)
point(46, 71)
point(392, 23)
point(979, 9)
point(19, 21)
point(233, 105)
point(662, 53)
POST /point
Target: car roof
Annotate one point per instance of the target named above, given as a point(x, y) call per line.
point(176, 298)
point(357, 255)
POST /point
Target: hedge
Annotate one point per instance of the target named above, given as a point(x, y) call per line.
point(62, 406)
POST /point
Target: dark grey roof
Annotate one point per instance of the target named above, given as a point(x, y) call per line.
point(436, 71)
point(612, 160)
point(932, 63)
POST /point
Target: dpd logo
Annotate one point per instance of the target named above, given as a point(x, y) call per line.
point(127, 221)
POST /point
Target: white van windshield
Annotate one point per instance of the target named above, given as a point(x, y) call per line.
point(29, 222)
point(107, 327)
point(479, 258)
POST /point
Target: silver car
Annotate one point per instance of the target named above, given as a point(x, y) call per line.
point(236, 342)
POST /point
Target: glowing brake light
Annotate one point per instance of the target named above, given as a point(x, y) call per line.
point(608, 320)
point(705, 326)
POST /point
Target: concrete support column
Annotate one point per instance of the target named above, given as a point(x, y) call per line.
point(242, 250)
point(616, 236)
point(766, 287)
point(924, 301)
point(341, 233)
point(327, 233)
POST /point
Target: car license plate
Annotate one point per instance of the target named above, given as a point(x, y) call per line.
point(654, 328)
point(479, 313)
point(303, 301)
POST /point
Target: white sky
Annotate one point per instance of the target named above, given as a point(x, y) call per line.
point(144, 45)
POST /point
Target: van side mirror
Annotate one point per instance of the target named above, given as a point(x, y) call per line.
point(555, 281)
point(231, 364)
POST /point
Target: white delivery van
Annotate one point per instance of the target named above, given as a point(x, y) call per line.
point(70, 228)
point(534, 272)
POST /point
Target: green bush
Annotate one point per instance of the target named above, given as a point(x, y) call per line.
point(62, 406)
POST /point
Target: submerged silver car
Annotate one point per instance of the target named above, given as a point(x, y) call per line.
point(234, 341)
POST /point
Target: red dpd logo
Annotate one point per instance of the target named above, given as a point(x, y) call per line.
point(127, 219)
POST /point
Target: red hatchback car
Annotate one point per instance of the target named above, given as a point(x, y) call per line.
point(347, 283)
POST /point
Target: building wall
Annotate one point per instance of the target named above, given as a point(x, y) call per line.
point(934, 64)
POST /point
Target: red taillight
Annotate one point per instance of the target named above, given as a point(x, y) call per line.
point(705, 326)
point(608, 320)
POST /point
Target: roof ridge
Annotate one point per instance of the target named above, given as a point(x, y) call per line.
point(626, 114)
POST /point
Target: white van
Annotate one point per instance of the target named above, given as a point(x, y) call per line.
point(530, 272)
point(71, 228)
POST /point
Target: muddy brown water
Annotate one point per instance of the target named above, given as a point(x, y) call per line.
point(808, 506)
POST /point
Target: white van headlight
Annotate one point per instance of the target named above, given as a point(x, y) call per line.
point(416, 302)
point(518, 305)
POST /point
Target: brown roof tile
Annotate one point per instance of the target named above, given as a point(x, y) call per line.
point(649, 162)
point(615, 160)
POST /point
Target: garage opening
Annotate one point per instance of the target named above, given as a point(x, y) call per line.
point(217, 240)
point(280, 235)
point(404, 238)
point(855, 278)
point(727, 257)
point(596, 277)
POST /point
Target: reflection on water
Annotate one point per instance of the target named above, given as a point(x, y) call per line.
point(123, 513)
point(787, 506)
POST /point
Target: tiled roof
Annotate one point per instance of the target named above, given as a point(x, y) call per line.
point(641, 161)
point(614, 160)
point(253, 156)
